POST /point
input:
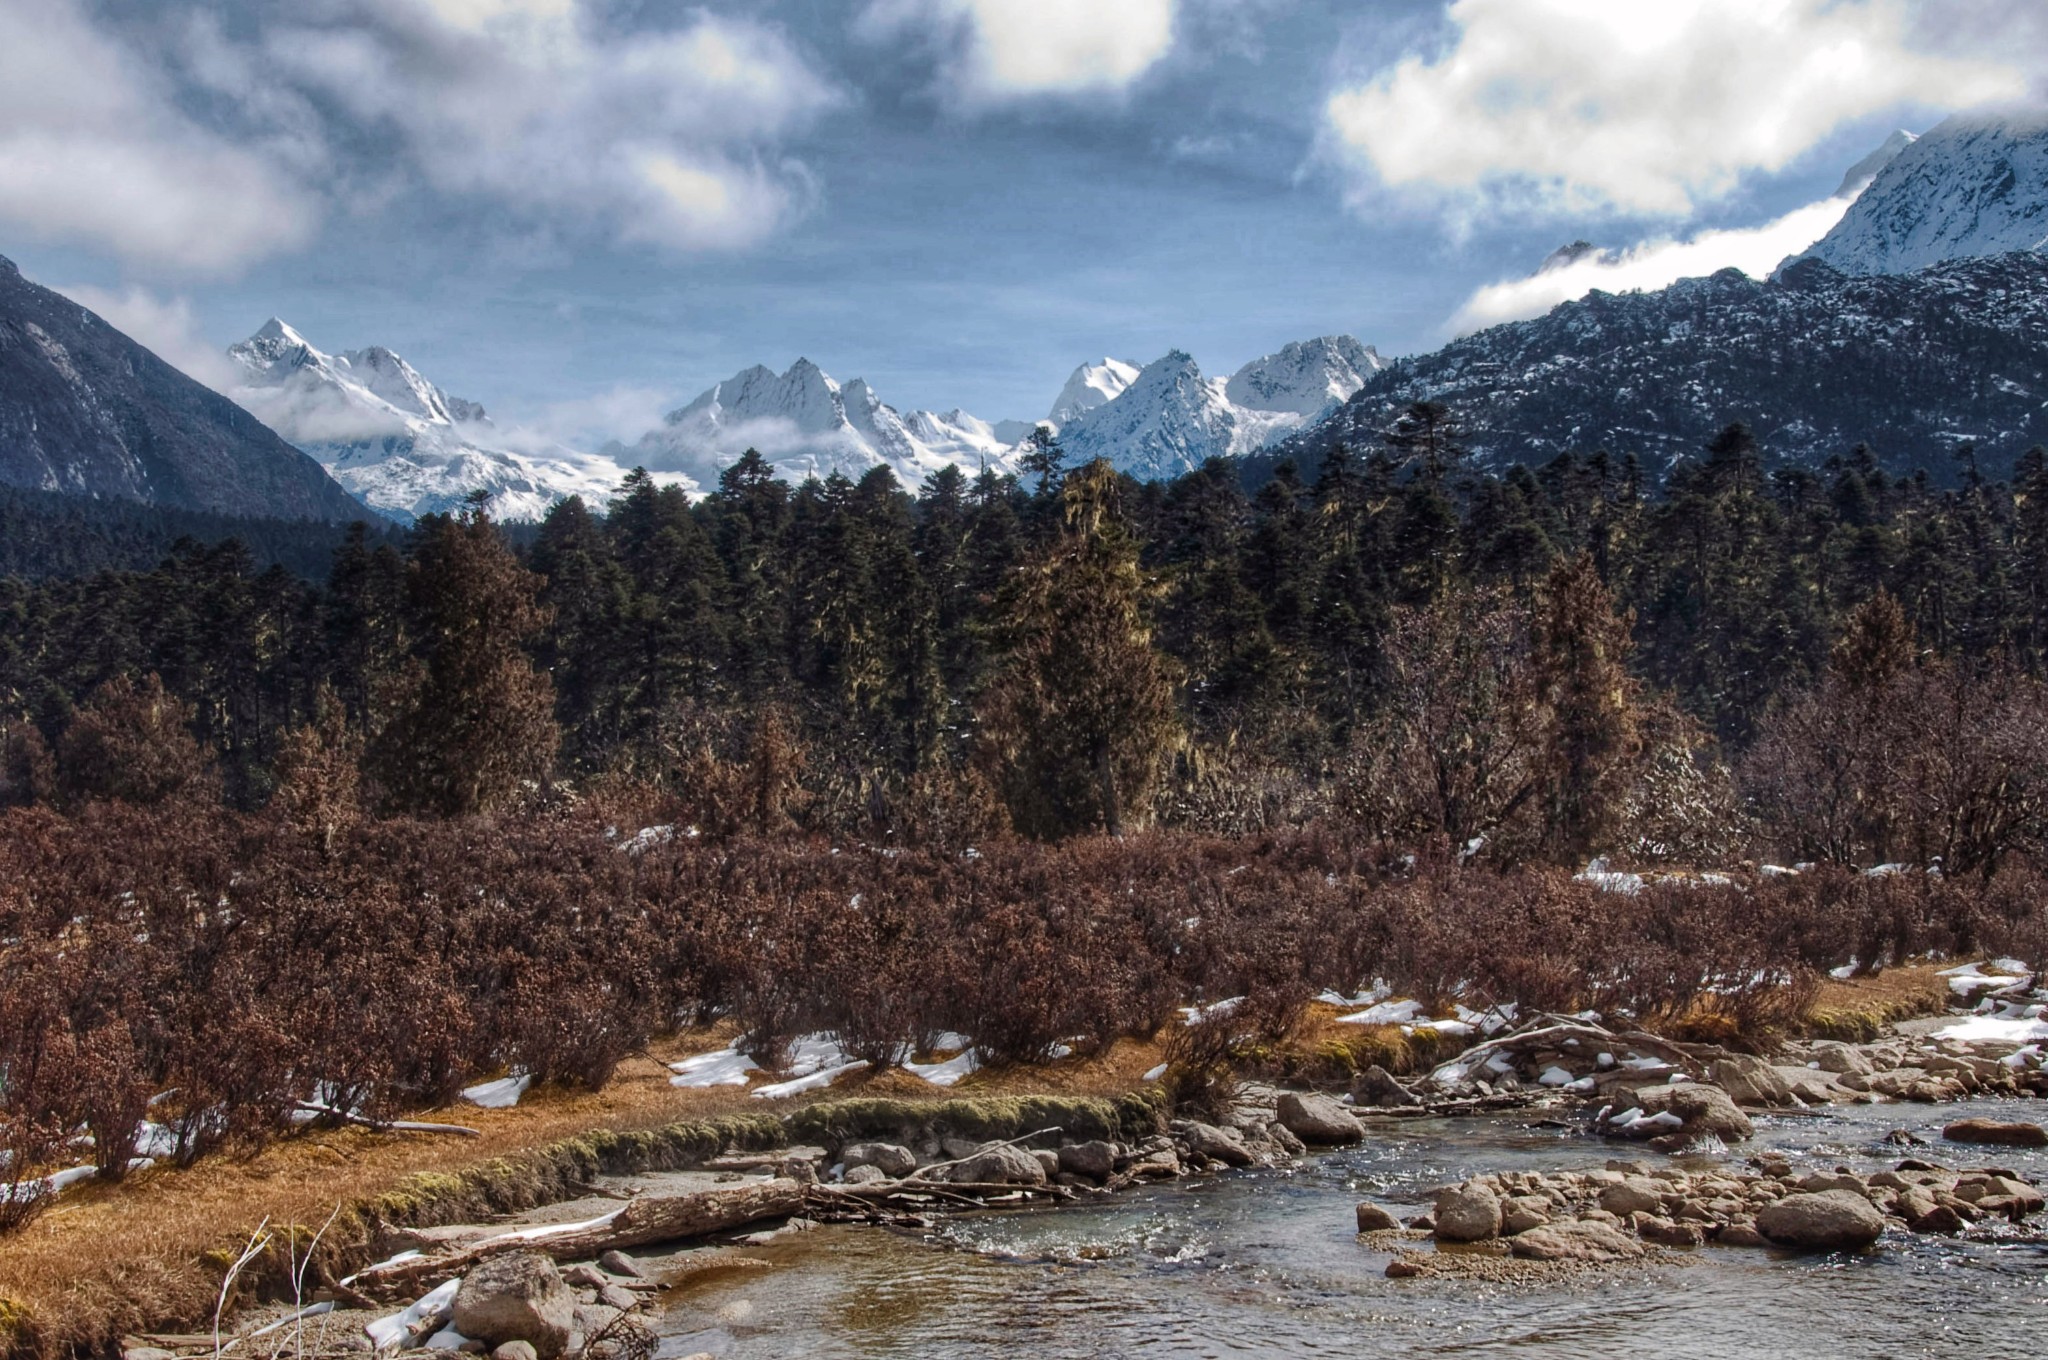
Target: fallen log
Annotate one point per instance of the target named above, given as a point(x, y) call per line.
point(1555, 1035)
point(645, 1221)
point(385, 1125)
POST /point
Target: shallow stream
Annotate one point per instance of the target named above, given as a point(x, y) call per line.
point(1264, 1263)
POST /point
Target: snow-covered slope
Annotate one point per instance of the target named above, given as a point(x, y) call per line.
point(1169, 419)
point(1970, 187)
point(1309, 377)
point(807, 425)
point(1093, 385)
point(396, 441)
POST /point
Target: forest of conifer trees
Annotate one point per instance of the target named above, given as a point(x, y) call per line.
point(835, 757)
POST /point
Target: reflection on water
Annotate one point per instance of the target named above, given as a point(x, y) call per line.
point(1264, 1263)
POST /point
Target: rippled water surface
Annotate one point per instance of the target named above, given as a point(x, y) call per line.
point(1265, 1264)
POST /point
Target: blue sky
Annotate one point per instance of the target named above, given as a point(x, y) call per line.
point(581, 212)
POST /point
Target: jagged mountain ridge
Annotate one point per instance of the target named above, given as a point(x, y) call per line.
point(1815, 361)
point(86, 411)
point(1970, 186)
point(397, 442)
point(806, 424)
point(1170, 419)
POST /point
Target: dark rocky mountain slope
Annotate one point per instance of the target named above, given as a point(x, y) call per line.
point(86, 411)
point(1815, 361)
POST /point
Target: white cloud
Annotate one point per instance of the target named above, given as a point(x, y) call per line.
point(1646, 106)
point(94, 150)
point(1756, 251)
point(665, 136)
point(998, 50)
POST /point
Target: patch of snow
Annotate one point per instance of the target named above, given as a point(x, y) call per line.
point(946, 1073)
point(815, 1081)
point(1555, 1076)
point(1385, 1013)
point(726, 1067)
point(1992, 1029)
point(501, 1094)
point(1155, 1074)
point(1221, 1010)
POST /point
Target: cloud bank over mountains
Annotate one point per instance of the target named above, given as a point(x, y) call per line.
point(1576, 106)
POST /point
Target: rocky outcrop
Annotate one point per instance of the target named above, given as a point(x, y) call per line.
point(1467, 1213)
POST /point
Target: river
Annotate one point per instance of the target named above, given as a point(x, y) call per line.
point(1264, 1263)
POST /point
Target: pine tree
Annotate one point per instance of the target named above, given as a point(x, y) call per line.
point(473, 721)
point(1591, 721)
point(1080, 710)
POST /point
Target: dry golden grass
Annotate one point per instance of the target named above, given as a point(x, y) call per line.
point(1861, 1008)
point(145, 1255)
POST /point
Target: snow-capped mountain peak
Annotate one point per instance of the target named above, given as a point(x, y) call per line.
point(1971, 186)
point(1168, 418)
point(806, 424)
point(1093, 385)
point(1308, 377)
point(1870, 167)
point(399, 444)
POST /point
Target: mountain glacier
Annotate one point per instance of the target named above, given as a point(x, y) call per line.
point(1170, 419)
point(806, 424)
point(1972, 186)
point(397, 442)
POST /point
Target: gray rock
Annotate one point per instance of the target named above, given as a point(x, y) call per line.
point(1841, 1059)
point(891, 1160)
point(515, 1350)
point(1703, 1109)
point(999, 1166)
point(1580, 1241)
point(1096, 1160)
point(517, 1297)
point(1048, 1160)
point(864, 1175)
point(613, 1296)
point(1317, 1119)
point(1372, 1218)
point(1218, 1145)
point(618, 1263)
point(1830, 1220)
point(1750, 1080)
point(585, 1277)
point(1375, 1086)
point(1467, 1213)
point(1633, 1195)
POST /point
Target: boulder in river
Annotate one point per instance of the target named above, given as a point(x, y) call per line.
point(1584, 1240)
point(1372, 1218)
point(1317, 1119)
point(517, 1297)
point(1750, 1080)
point(1376, 1087)
point(1096, 1160)
point(1216, 1144)
point(1826, 1220)
point(1467, 1213)
point(1997, 1133)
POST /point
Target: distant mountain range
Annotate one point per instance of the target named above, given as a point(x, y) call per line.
point(397, 442)
point(86, 411)
point(1918, 323)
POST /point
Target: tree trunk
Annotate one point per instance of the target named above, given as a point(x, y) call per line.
point(1105, 771)
point(665, 1218)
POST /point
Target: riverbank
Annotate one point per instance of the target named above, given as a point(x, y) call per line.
point(147, 1256)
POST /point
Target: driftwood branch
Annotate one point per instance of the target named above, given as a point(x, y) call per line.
point(647, 1220)
point(388, 1125)
point(924, 1171)
point(1555, 1035)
